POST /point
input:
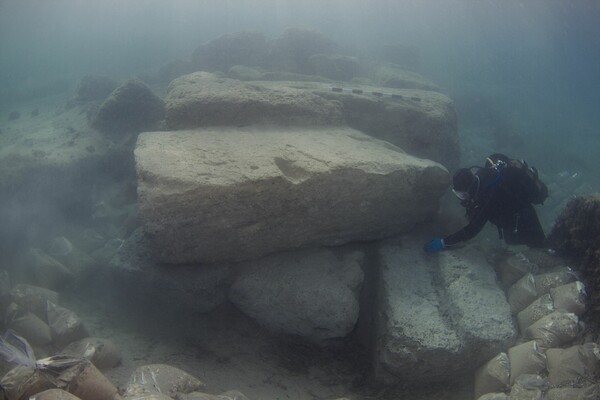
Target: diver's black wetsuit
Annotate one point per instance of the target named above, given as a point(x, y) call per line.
point(503, 206)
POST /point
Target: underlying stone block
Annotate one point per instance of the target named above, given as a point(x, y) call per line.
point(440, 315)
point(232, 194)
point(415, 341)
point(312, 294)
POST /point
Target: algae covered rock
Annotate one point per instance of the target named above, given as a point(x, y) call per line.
point(132, 107)
point(238, 48)
point(292, 50)
point(94, 88)
point(576, 234)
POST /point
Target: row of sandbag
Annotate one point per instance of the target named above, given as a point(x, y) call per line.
point(63, 264)
point(85, 382)
point(545, 361)
point(33, 313)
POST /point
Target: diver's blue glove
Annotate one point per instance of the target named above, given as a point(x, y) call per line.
point(434, 245)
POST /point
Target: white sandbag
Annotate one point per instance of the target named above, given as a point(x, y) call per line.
point(161, 378)
point(554, 330)
point(146, 391)
point(572, 365)
point(587, 393)
point(54, 394)
point(47, 271)
point(494, 396)
point(32, 328)
point(65, 325)
point(492, 376)
point(536, 310)
point(528, 387)
point(34, 298)
point(85, 381)
point(150, 396)
point(513, 268)
point(526, 358)
point(570, 297)
point(77, 261)
point(229, 395)
point(545, 282)
point(522, 293)
point(21, 382)
point(5, 291)
point(101, 352)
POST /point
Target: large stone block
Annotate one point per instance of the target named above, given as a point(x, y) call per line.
point(232, 194)
point(311, 294)
point(440, 316)
point(203, 99)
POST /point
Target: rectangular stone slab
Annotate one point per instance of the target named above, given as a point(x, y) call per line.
point(230, 194)
point(440, 315)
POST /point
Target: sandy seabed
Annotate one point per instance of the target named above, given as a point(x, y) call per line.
point(228, 351)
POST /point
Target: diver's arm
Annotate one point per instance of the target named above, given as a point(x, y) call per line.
point(471, 230)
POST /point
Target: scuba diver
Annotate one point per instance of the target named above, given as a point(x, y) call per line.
point(502, 192)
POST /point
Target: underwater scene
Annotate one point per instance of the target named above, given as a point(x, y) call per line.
point(299, 200)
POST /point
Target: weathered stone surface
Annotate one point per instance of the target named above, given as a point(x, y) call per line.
point(312, 294)
point(227, 194)
point(191, 287)
point(394, 76)
point(440, 316)
point(132, 107)
point(202, 99)
point(423, 123)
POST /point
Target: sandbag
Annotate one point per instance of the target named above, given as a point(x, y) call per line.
point(32, 328)
point(569, 298)
point(47, 271)
point(536, 310)
point(587, 393)
point(493, 376)
point(554, 330)
point(571, 365)
point(522, 293)
point(513, 268)
point(101, 352)
point(54, 394)
point(528, 387)
point(163, 379)
point(65, 325)
point(5, 291)
point(494, 396)
point(545, 282)
point(150, 396)
point(229, 395)
point(84, 380)
point(21, 382)
point(34, 298)
point(77, 261)
point(526, 358)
